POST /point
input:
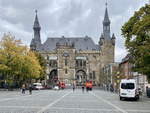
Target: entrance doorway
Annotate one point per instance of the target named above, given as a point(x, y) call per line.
point(81, 77)
point(53, 77)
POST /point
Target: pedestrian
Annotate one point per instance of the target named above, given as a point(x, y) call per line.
point(147, 90)
point(107, 87)
point(111, 88)
point(23, 89)
point(83, 87)
point(30, 89)
point(73, 86)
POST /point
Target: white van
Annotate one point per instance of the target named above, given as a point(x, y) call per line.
point(128, 89)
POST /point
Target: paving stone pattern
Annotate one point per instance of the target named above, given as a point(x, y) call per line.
point(67, 101)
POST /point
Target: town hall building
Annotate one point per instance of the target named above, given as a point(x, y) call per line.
point(77, 59)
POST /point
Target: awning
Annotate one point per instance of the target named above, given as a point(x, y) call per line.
point(52, 57)
point(80, 58)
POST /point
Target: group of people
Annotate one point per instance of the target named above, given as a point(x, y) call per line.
point(24, 89)
point(87, 86)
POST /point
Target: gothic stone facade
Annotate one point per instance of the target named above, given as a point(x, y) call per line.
point(75, 58)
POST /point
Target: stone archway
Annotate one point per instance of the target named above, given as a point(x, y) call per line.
point(81, 77)
point(53, 76)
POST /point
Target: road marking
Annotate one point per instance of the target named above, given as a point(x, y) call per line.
point(118, 108)
point(19, 96)
point(16, 98)
point(28, 107)
point(89, 109)
point(54, 102)
point(85, 109)
point(145, 111)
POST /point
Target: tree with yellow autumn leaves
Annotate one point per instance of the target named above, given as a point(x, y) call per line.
point(17, 63)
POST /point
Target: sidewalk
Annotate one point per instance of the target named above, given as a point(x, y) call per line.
point(145, 96)
point(3, 89)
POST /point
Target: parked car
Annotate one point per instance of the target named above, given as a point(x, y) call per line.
point(56, 88)
point(128, 89)
point(37, 86)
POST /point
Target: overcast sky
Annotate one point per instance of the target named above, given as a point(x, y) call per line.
point(66, 17)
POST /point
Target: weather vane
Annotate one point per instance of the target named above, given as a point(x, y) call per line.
point(106, 3)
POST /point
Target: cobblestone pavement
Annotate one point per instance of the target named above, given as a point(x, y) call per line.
point(67, 101)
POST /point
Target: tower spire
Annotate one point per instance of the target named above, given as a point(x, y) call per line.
point(36, 29)
point(36, 22)
point(106, 23)
point(106, 17)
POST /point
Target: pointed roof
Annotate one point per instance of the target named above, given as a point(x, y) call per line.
point(106, 17)
point(36, 21)
point(113, 36)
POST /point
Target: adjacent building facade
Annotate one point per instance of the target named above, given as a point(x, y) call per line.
point(75, 58)
point(126, 71)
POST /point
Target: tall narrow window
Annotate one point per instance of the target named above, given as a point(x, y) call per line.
point(77, 63)
point(50, 63)
point(90, 76)
point(66, 62)
point(94, 77)
point(84, 63)
point(81, 63)
point(66, 71)
point(47, 57)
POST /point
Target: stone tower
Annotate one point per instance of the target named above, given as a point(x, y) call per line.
point(107, 42)
point(36, 41)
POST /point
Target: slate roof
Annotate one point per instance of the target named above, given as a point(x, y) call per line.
point(80, 43)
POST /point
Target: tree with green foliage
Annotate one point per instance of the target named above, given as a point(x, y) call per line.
point(17, 62)
point(43, 64)
point(137, 39)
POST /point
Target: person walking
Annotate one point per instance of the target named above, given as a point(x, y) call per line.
point(30, 89)
point(73, 87)
point(83, 87)
point(23, 89)
point(87, 86)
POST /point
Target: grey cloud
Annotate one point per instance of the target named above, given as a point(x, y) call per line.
point(66, 17)
point(70, 12)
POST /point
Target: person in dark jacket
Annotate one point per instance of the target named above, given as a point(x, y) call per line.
point(30, 89)
point(83, 87)
point(73, 87)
